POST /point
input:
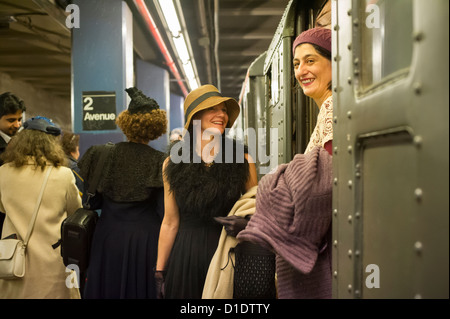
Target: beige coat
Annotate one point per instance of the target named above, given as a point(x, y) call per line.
point(219, 280)
point(45, 274)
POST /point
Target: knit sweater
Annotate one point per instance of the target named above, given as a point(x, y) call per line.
point(293, 218)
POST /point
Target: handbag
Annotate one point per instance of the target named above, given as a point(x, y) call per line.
point(254, 272)
point(77, 230)
point(13, 250)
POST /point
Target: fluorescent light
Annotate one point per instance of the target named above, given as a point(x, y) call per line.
point(180, 46)
point(179, 39)
point(189, 71)
point(170, 15)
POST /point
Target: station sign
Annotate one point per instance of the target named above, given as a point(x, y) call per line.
point(99, 110)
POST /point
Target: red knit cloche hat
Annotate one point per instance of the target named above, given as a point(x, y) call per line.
point(317, 36)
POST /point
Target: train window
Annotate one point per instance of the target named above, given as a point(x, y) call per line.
point(385, 41)
point(275, 81)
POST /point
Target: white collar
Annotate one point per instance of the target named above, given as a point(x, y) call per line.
point(6, 137)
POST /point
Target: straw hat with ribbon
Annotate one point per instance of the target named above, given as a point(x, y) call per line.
point(207, 96)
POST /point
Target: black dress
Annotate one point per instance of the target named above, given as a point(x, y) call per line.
point(201, 193)
point(125, 241)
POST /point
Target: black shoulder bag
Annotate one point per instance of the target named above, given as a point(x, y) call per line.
point(77, 230)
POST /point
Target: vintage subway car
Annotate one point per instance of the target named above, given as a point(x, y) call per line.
point(390, 62)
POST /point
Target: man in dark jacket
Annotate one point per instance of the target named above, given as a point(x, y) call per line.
point(11, 113)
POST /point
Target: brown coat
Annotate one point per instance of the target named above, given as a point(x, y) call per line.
point(45, 274)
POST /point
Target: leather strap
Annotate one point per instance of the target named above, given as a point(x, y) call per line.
point(38, 204)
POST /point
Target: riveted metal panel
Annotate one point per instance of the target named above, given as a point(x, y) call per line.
point(390, 150)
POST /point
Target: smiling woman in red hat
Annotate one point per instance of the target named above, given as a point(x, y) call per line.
point(293, 205)
point(312, 68)
point(205, 184)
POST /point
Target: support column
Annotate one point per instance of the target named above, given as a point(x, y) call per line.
point(176, 111)
point(153, 81)
point(102, 67)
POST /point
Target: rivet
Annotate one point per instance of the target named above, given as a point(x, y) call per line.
point(356, 61)
point(335, 181)
point(417, 296)
point(350, 184)
point(349, 46)
point(349, 114)
point(357, 253)
point(336, 27)
point(349, 288)
point(349, 80)
point(418, 140)
point(356, 72)
point(335, 242)
point(357, 215)
point(335, 89)
point(418, 36)
point(349, 12)
point(335, 212)
point(355, 22)
point(349, 219)
point(418, 193)
point(357, 174)
point(335, 150)
point(335, 274)
point(350, 253)
point(417, 87)
point(418, 247)
point(349, 149)
point(335, 119)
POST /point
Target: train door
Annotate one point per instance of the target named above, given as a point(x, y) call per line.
point(391, 149)
point(289, 111)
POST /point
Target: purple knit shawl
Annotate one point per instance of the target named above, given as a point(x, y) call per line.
point(293, 218)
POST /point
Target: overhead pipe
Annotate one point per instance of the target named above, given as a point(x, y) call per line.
point(143, 10)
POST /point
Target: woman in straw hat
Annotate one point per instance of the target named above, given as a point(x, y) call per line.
point(125, 241)
point(205, 184)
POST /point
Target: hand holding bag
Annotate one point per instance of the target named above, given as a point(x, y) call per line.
point(12, 251)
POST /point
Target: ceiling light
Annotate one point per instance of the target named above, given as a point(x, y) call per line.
point(170, 15)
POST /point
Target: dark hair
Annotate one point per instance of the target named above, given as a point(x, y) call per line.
point(10, 104)
point(326, 54)
point(69, 142)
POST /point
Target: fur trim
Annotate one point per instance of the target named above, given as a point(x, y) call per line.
point(207, 192)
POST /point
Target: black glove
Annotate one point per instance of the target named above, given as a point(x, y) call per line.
point(160, 278)
point(233, 224)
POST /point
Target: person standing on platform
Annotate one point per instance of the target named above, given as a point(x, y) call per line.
point(28, 157)
point(71, 146)
point(11, 114)
point(123, 253)
point(206, 184)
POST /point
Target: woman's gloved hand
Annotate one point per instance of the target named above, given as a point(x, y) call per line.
point(233, 224)
point(160, 277)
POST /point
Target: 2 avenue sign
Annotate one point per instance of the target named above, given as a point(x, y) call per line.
point(99, 110)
